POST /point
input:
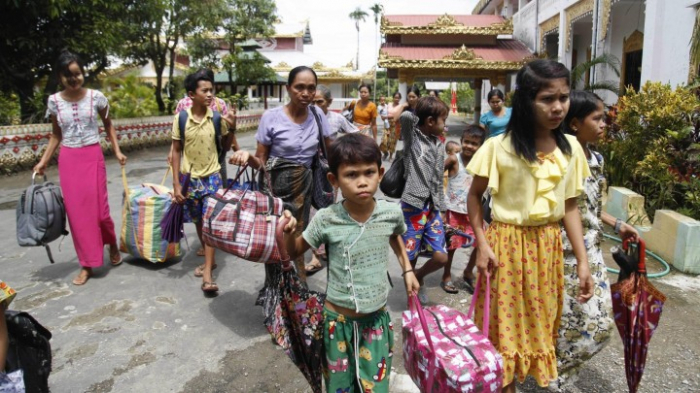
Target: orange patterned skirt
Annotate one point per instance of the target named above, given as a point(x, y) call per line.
point(527, 290)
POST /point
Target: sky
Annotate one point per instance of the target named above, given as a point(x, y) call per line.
point(334, 34)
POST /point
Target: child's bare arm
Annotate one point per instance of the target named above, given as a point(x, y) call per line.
point(450, 162)
point(574, 231)
point(485, 257)
point(626, 230)
point(409, 276)
point(296, 245)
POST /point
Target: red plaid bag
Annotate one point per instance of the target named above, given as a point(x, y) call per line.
point(242, 222)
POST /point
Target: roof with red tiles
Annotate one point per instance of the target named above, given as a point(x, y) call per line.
point(424, 20)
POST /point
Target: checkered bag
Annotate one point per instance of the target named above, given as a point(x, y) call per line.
point(444, 351)
point(242, 222)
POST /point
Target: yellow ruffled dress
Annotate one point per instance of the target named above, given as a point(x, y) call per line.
point(527, 286)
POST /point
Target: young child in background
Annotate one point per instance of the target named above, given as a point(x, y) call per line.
point(585, 328)
point(459, 181)
point(358, 334)
point(452, 148)
point(422, 198)
point(535, 173)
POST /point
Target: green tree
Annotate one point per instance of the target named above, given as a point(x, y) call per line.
point(377, 10)
point(247, 19)
point(387, 86)
point(130, 97)
point(33, 36)
point(161, 24)
point(695, 41)
point(465, 97)
point(358, 16)
point(9, 109)
point(248, 68)
point(652, 147)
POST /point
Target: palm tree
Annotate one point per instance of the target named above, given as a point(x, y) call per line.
point(578, 74)
point(358, 15)
point(377, 10)
point(695, 43)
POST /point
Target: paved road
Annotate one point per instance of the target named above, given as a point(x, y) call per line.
point(147, 328)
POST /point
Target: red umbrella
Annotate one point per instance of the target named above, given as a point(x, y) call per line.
point(637, 307)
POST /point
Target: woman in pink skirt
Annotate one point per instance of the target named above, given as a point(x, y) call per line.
point(81, 167)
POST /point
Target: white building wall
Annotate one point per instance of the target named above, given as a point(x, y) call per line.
point(624, 20)
point(668, 27)
point(666, 24)
point(525, 25)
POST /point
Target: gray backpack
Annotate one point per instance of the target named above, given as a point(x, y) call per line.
point(41, 215)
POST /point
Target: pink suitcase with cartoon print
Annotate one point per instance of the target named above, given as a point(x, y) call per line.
point(445, 352)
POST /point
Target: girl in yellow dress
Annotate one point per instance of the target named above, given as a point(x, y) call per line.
point(535, 173)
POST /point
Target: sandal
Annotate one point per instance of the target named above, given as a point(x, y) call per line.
point(209, 287)
point(200, 252)
point(199, 270)
point(448, 287)
point(312, 269)
point(81, 279)
point(115, 257)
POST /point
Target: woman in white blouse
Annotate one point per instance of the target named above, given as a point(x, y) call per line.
point(74, 114)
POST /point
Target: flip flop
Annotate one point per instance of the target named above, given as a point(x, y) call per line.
point(312, 269)
point(199, 270)
point(80, 279)
point(200, 252)
point(115, 258)
point(448, 287)
point(209, 287)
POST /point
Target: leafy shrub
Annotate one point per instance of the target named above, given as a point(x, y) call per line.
point(653, 147)
point(9, 109)
point(128, 97)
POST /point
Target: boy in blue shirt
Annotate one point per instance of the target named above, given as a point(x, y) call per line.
point(358, 333)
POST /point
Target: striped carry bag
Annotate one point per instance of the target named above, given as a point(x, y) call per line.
point(242, 222)
point(142, 211)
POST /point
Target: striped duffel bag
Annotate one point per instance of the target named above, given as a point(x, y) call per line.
point(242, 222)
point(142, 210)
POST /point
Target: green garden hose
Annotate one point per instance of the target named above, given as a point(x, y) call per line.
point(667, 268)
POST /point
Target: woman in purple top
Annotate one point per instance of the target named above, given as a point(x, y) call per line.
point(287, 143)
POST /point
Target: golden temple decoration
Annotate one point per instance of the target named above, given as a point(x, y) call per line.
point(318, 66)
point(386, 23)
point(385, 56)
point(462, 53)
point(337, 75)
point(334, 74)
point(445, 21)
point(573, 13)
point(605, 19)
point(452, 64)
point(282, 66)
point(547, 27)
point(447, 24)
